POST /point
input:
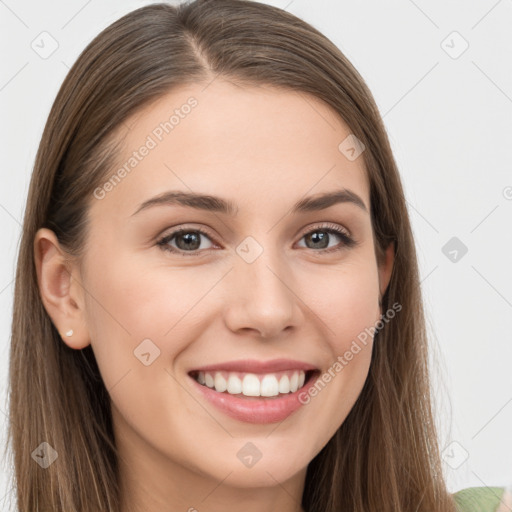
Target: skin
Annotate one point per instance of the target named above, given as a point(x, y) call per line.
point(264, 149)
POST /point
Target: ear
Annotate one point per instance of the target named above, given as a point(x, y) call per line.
point(60, 289)
point(385, 269)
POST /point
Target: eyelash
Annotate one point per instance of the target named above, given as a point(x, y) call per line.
point(347, 241)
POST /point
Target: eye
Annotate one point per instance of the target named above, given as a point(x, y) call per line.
point(187, 240)
point(320, 236)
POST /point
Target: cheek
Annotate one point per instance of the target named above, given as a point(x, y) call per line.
point(345, 304)
point(345, 298)
point(139, 324)
point(133, 299)
point(129, 302)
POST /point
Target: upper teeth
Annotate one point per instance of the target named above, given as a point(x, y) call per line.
point(251, 384)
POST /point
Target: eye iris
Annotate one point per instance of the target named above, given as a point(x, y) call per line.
point(193, 240)
point(323, 237)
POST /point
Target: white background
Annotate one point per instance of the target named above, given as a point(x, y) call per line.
point(450, 125)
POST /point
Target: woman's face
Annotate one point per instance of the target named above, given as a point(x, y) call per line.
point(265, 295)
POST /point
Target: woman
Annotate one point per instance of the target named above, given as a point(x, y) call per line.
point(217, 301)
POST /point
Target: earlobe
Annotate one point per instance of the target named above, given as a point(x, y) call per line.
point(59, 290)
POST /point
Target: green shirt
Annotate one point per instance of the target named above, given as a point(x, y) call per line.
point(479, 499)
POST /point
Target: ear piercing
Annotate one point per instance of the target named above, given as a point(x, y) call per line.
point(69, 333)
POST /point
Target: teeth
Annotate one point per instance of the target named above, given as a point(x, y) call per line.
point(284, 384)
point(294, 382)
point(208, 379)
point(269, 386)
point(220, 383)
point(234, 385)
point(250, 384)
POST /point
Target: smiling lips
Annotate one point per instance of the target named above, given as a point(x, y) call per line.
point(254, 391)
point(251, 384)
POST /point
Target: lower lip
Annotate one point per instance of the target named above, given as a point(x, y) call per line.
point(254, 409)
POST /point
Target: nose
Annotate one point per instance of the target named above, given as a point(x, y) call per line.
point(261, 297)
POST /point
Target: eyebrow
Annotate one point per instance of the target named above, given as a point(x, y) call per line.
point(217, 204)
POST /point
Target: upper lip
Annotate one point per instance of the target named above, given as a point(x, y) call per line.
point(256, 366)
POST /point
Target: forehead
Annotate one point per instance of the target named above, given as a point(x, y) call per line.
point(247, 144)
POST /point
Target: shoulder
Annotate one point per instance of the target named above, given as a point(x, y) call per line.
point(483, 499)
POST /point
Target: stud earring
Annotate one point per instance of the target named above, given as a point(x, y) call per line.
point(70, 333)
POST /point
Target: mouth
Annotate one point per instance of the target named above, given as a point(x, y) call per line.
point(254, 385)
point(254, 391)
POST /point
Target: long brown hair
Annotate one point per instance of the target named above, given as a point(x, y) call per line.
point(385, 456)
